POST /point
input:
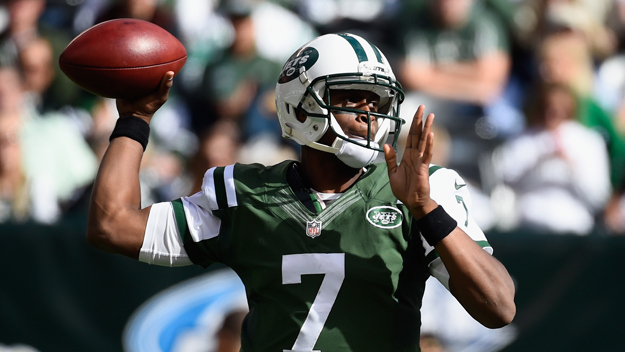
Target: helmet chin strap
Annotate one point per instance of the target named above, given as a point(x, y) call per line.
point(354, 154)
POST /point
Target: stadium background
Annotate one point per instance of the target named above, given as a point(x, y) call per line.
point(59, 294)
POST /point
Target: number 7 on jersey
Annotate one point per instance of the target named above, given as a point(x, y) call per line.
point(332, 265)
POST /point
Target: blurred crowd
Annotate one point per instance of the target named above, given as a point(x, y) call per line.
point(529, 97)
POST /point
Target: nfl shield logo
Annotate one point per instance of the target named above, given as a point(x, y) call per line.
point(313, 228)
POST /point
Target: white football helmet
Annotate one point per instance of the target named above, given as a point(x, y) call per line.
point(337, 61)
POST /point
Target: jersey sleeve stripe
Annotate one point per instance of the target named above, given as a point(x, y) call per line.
point(231, 193)
point(208, 188)
point(181, 220)
point(220, 188)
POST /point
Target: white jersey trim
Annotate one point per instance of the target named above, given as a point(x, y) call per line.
point(231, 193)
point(208, 188)
point(162, 244)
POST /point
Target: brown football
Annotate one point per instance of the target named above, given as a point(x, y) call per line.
point(123, 58)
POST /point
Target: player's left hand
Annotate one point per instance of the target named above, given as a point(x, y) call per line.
point(145, 107)
point(410, 179)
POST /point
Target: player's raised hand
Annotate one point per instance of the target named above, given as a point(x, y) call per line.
point(410, 179)
point(146, 106)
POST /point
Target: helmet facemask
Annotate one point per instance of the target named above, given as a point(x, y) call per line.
point(316, 104)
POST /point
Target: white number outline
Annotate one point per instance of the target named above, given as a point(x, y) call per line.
point(332, 266)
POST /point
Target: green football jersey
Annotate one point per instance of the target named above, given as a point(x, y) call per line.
point(350, 278)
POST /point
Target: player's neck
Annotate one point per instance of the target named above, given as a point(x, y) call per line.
point(327, 174)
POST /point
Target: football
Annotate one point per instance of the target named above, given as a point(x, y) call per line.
point(122, 58)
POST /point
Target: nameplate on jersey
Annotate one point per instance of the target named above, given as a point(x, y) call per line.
point(384, 217)
point(313, 228)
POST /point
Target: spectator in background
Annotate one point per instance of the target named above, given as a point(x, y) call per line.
point(207, 31)
point(45, 159)
point(26, 33)
point(205, 34)
point(240, 75)
point(219, 146)
point(36, 61)
point(456, 51)
point(616, 22)
point(15, 195)
point(614, 213)
point(328, 15)
point(610, 89)
point(240, 84)
point(456, 63)
point(103, 115)
point(147, 10)
point(610, 93)
point(374, 20)
point(536, 19)
point(557, 169)
point(564, 58)
point(22, 29)
point(279, 31)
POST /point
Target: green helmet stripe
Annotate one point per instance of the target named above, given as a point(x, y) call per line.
point(378, 55)
point(360, 51)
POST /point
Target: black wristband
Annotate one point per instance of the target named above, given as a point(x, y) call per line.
point(436, 225)
point(132, 127)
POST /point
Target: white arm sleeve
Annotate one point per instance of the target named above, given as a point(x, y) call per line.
point(162, 244)
point(449, 190)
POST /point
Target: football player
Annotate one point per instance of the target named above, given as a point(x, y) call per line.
point(334, 250)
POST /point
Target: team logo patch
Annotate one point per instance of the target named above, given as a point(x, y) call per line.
point(302, 58)
point(384, 217)
point(313, 228)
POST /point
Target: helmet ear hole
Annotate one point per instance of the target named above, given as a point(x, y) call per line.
point(300, 115)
